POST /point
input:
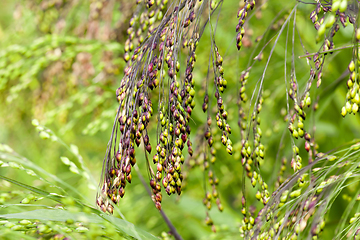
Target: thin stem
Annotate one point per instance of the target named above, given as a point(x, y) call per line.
point(327, 51)
point(173, 230)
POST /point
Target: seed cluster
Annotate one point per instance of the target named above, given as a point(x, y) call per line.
point(252, 153)
point(242, 101)
point(352, 96)
point(309, 192)
point(335, 14)
point(221, 117)
point(142, 26)
point(292, 224)
point(155, 62)
point(252, 158)
point(329, 22)
point(297, 130)
point(211, 196)
point(155, 75)
point(242, 14)
point(135, 111)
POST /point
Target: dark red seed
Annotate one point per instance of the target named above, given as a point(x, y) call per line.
point(190, 151)
point(307, 146)
point(158, 197)
point(189, 77)
point(121, 191)
point(168, 189)
point(128, 169)
point(178, 190)
point(150, 67)
point(118, 156)
point(128, 178)
point(188, 129)
point(189, 110)
point(137, 141)
point(192, 16)
point(148, 148)
point(132, 161)
point(177, 131)
point(152, 183)
point(184, 137)
point(146, 139)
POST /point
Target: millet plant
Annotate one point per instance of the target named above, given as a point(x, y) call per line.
point(231, 103)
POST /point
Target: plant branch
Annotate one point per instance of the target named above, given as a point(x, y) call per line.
point(327, 51)
point(173, 230)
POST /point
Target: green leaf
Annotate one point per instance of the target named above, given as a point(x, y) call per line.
point(33, 189)
point(52, 196)
point(63, 215)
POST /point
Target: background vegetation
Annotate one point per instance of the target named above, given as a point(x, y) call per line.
point(61, 62)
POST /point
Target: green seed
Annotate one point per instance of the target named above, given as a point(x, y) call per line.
point(42, 228)
point(348, 106)
point(355, 146)
point(25, 201)
point(261, 153)
point(25, 222)
point(272, 232)
point(248, 150)
point(283, 198)
point(81, 229)
point(301, 132)
point(352, 65)
point(14, 165)
point(251, 220)
point(35, 122)
point(330, 21)
point(9, 225)
point(258, 195)
point(343, 6)
point(295, 134)
point(295, 193)
point(321, 30)
point(356, 99)
point(355, 108)
point(16, 228)
point(343, 111)
point(44, 135)
point(300, 124)
point(335, 6)
point(253, 182)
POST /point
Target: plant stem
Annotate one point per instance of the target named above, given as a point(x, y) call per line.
point(173, 230)
point(327, 51)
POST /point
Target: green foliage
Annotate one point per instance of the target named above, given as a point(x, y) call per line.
point(217, 103)
point(72, 216)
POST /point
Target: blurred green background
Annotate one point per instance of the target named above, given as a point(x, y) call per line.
point(60, 63)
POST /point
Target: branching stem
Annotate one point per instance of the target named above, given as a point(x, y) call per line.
point(173, 230)
point(327, 51)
